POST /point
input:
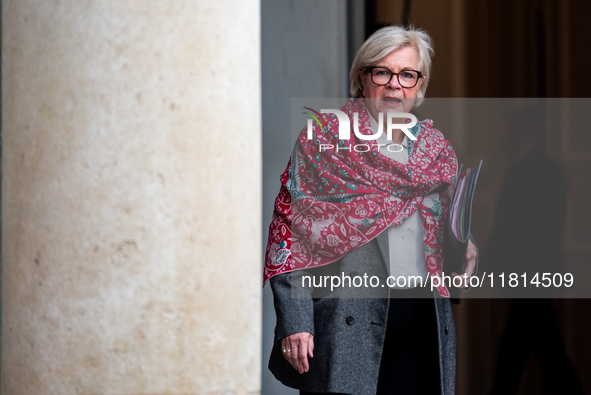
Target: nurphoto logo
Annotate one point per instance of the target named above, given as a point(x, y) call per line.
point(394, 120)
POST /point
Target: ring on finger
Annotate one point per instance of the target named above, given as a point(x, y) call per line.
point(286, 351)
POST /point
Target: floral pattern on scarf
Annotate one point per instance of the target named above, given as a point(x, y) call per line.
point(333, 201)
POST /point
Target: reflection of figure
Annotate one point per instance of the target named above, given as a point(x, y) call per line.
point(527, 237)
point(530, 215)
point(358, 341)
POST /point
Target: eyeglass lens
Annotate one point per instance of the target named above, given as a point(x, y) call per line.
point(406, 78)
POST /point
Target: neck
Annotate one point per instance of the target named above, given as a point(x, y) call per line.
point(397, 136)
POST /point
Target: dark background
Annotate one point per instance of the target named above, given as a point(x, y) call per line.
point(483, 49)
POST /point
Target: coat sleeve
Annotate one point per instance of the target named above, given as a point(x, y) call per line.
point(293, 304)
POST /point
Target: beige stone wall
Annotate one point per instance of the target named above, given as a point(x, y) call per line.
point(131, 197)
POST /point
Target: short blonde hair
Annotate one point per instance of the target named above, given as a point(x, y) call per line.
point(385, 41)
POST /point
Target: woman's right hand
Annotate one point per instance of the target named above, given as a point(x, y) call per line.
point(296, 349)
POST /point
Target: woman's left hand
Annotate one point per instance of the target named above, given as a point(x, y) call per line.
point(469, 266)
point(297, 348)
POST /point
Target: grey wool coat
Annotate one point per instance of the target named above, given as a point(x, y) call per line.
point(348, 324)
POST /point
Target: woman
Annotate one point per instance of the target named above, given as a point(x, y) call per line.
point(366, 209)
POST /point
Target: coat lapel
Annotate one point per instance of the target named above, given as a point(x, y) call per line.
point(382, 240)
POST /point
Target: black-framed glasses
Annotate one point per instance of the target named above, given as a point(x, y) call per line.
point(382, 76)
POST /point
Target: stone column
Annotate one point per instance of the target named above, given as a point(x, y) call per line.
point(131, 197)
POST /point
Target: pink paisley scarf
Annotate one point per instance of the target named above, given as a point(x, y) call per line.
point(333, 202)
